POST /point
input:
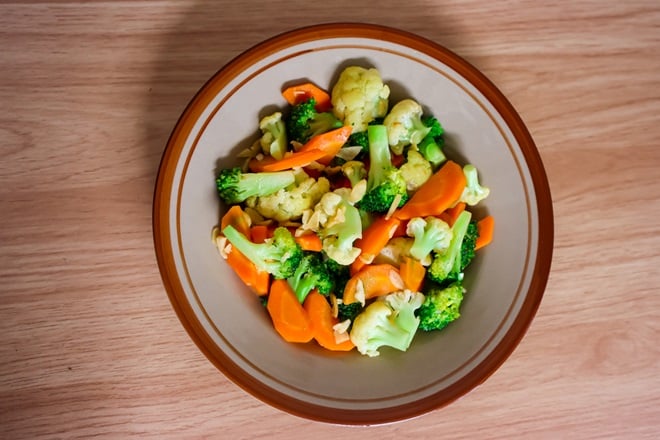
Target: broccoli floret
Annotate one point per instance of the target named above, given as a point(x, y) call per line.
point(273, 139)
point(304, 121)
point(235, 186)
point(310, 274)
point(384, 181)
point(279, 255)
point(468, 244)
point(339, 273)
point(388, 321)
point(431, 146)
point(415, 171)
point(431, 235)
point(359, 139)
point(359, 96)
point(289, 203)
point(440, 307)
point(474, 192)
point(404, 125)
point(348, 311)
point(446, 265)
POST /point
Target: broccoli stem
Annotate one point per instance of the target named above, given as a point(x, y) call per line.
point(380, 158)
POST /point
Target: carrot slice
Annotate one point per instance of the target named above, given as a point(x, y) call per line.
point(304, 91)
point(255, 279)
point(290, 160)
point(374, 239)
point(437, 194)
point(288, 315)
point(310, 242)
point(238, 218)
point(259, 233)
point(320, 315)
point(451, 214)
point(485, 227)
point(375, 280)
point(412, 272)
point(330, 142)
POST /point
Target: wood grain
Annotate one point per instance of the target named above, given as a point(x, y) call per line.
point(89, 92)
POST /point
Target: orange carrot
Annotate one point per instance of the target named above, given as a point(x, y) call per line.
point(437, 194)
point(374, 239)
point(290, 160)
point(485, 227)
point(302, 92)
point(451, 214)
point(330, 142)
point(236, 217)
point(310, 242)
point(288, 315)
point(320, 315)
point(375, 280)
point(255, 279)
point(321, 148)
point(412, 272)
point(259, 233)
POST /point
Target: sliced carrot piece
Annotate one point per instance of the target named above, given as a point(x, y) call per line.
point(259, 233)
point(437, 194)
point(375, 280)
point(330, 142)
point(412, 272)
point(319, 312)
point(451, 214)
point(310, 242)
point(374, 239)
point(290, 160)
point(238, 218)
point(255, 279)
point(288, 315)
point(486, 228)
point(302, 92)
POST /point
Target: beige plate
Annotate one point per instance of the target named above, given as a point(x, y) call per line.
point(505, 283)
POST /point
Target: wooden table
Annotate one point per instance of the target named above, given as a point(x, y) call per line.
point(89, 92)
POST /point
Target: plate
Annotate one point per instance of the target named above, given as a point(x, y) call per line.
point(227, 322)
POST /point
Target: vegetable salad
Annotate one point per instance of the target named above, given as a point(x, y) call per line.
point(349, 221)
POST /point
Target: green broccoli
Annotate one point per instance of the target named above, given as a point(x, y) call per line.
point(349, 311)
point(339, 273)
point(431, 146)
point(384, 181)
point(235, 186)
point(389, 321)
point(273, 139)
point(440, 307)
point(404, 125)
point(468, 244)
point(446, 265)
point(310, 274)
point(431, 235)
point(474, 192)
point(279, 255)
point(304, 121)
point(360, 139)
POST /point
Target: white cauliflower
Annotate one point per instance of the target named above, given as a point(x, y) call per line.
point(474, 192)
point(359, 97)
point(415, 171)
point(404, 125)
point(290, 203)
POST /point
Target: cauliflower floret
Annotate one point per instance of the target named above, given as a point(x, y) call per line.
point(273, 139)
point(288, 204)
point(416, 171)
point(359, 97)
point(404, 125)
point(474, 192)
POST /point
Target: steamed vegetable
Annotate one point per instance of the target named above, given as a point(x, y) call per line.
point(349, 221)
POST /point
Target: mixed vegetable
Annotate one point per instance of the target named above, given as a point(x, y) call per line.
point(348, 219)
